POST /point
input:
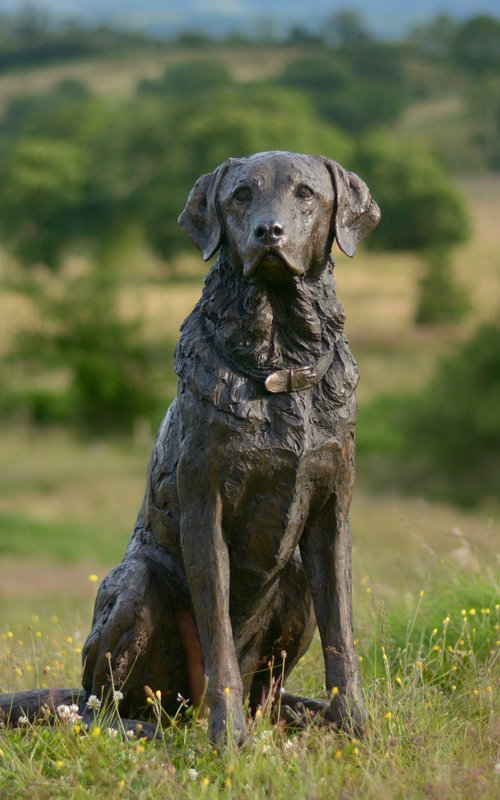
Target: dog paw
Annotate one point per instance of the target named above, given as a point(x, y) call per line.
point(227, 725)
point(347, 714)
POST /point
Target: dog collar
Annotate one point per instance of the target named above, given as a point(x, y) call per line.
point(294, 379)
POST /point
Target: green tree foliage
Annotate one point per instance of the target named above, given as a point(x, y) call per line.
point(454, 426)
point(483, 102)
point(356, 86)
point(440, 299)
point(110, 370)
point(64, 172)
point(30, 37)
point(43, 182)
point(435, 38)
point(188, 80)
point(173, 144)
point(345, 28)
point(421, 208)
point(476, 46)
point(423, 212)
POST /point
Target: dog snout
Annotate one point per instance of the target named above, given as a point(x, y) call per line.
point(270, 232)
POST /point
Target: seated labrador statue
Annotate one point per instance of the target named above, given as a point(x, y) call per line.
point(242, 544)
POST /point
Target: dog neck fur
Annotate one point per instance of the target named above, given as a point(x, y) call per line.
point(272, 325)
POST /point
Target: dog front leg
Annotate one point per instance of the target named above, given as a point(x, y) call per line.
point(326, 553)
point(206, 562)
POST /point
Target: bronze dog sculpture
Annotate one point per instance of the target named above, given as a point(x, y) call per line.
point(242, 542)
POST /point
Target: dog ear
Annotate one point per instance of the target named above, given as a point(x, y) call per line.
point(356, 213)
point(200, 218)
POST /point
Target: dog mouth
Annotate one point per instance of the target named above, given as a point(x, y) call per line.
point(271, 263)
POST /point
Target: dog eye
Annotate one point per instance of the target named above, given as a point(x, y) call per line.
point(304, 191)
point(243, 194)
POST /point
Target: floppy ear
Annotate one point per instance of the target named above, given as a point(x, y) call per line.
point(200, 218)
point(356, 213)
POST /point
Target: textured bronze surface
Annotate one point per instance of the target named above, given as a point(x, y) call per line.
point(242, 542)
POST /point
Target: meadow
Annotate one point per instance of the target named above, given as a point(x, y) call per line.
point(425, 573)
point(426, 602)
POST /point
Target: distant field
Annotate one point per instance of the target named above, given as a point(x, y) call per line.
point(67, 506)
point(119, 75)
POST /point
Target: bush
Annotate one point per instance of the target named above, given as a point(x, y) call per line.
point(455, 426)
point(440, 298)
point(421, 210)
point(444, 441)
point(110, 383)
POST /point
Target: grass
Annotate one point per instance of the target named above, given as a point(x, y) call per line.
point(431, 734)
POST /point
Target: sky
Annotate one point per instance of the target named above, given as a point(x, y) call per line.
point(384, 17)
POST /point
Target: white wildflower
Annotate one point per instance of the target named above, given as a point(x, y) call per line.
point(180, 698)
point(94, 703)
point(23, 720)
point(112, 732)
point(63, 712)
point(68, 713)
point(130, 734)
point(192, 774)
point(117, 696)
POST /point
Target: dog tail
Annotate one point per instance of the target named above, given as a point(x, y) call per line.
point(19, 708)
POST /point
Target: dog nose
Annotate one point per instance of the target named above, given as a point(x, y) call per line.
point(269, 232)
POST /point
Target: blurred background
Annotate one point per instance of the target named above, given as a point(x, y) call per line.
point(107, 117)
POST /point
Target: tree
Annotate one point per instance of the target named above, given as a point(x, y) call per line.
point(236, 121)
point(476, 47)
point(64, 172)
point(345, 27)
point(435, 38)
point(109, 368)
point(43, 182)
point(355, 87)
point(189, 79)
point(421, 211)
point(454, 425)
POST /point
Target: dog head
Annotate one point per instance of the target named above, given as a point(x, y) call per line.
point(277, 213)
